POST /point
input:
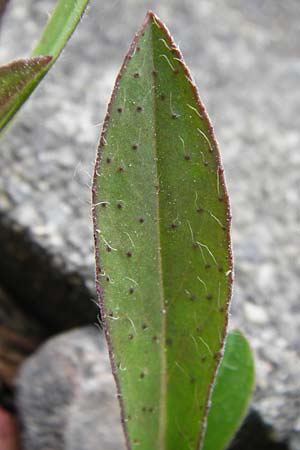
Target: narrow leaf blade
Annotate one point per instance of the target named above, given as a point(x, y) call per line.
point(16, 82)
point(231, 394)
point(60, 27)
point(161, 221)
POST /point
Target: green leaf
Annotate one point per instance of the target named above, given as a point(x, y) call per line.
point(59, 29)
point(16, 82)
point(162, 223)
point(231, 394)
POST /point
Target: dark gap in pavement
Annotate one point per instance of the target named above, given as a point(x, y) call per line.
point(40, 283)
point(255, 434)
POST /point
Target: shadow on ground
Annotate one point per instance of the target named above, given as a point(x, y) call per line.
point(256, 435)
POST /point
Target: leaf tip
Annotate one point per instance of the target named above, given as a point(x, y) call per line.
point(46, 59)
point(150, 14)
point(152, 17)
point(41, 60)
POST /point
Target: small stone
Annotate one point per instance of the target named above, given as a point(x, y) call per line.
point(63, 390)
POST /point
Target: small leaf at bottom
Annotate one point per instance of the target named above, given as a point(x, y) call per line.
point(231, 394)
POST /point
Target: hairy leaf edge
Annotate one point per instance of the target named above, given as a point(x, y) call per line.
point(149, 16)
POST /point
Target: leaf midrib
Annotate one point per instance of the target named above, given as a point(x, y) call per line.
point(163, 381)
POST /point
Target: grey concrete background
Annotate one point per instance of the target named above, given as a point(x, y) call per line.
point(244, 55)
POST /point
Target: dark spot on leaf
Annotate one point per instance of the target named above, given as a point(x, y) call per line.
point(162, 96)
point(209, 296)
point(187, 157)
point(104, 204)
point(108, 249)
point(200, 210)
point(107, 278)
point(120, 110)
point(121, 169)
point(150, 409)
point(144, 326)
point(154, 338)
point(195, 245)
point(222, 309)
point(221, 199)
point(130, 337)
point(141, 220)
point(108, 160)
point(138, 49)
point(110, 313)
point(220, 269)
point(131, 290)
point(203, 358)
point(218, 355)
point(205, 163)
point(119, 205)
point(136, 75)
point(169, 342)
point(129, 254)
point(176, 71)
point(175, 115)
point(144, 409)
point(135, 146)
point(173, 226)
point(139, 108)
point(142, 375)
point(207, 266)
point(154, 73)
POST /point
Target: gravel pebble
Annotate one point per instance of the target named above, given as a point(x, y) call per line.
point(66, 396)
